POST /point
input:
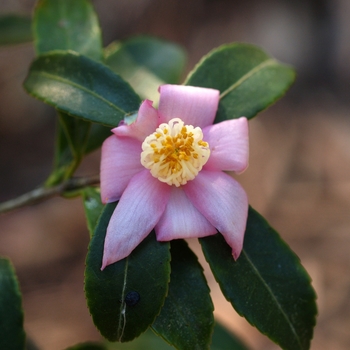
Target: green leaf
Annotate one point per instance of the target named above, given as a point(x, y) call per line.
point(15, 29)
point(143, 277)
point(186, 320)
point(147, 341)
point(93, 207)
point(248, 79)
point(98, 133)
point(12, 335)
point(267, 284)
point(71, 141)
point(146, 63)
point(67, 25)
point(81, 87)
point(64, 158)
point(75, 138)
point(88, 346)
point(224, 340)
point(77, 132)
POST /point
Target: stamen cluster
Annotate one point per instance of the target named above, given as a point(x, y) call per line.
point(175, 152)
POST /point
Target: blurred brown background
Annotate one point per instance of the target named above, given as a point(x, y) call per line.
point(299, 174)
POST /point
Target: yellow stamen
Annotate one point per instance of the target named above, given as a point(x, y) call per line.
point(175, 152)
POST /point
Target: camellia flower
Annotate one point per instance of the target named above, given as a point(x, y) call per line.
point(166, 170)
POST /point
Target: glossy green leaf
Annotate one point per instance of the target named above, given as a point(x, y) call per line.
point(186, 320)
point(12, 336)
point(267, 284)
point(222, 340)
point(98, 133)
point(67, 25)
point(64, 161)
point(88, 346)
point(146, 341)
point(225, 340)
point(75, 138)
point(15, 29)
point(71, 141)
point(81, 87)
point(248, 79)
point(143, 277)
point(77, 132)
point(146, 63)
point(93, 207)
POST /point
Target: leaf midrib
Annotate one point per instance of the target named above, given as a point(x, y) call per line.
point(78, 86)
point(246, 76)
point(121, 326)
point(272, 295)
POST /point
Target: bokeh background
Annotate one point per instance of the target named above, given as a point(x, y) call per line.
point(299, 174)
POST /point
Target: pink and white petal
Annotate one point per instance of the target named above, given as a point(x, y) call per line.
point(194, 105)
point(139, 209)
point(229, 145)
point(223, 201)
point(120, 161)
point(145, 124)
point(181, 219)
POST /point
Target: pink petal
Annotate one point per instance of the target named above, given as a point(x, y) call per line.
point(229, 145)
point(120, 160)
point(139, 209)
point(223, 201)
point(181, 219)
point(146, 123)
point(194, 105)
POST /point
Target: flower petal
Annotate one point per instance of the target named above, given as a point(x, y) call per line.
point(145, 124)
point(181, 219)
point(229, 145)
point(120, 160)
point(223, 201)
point(194, 105)
point(139, 209)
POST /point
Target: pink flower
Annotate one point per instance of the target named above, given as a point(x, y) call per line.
point(166, 170)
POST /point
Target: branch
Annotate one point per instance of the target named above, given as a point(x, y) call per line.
point(42, 193)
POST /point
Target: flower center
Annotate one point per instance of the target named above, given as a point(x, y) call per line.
point(175, 152)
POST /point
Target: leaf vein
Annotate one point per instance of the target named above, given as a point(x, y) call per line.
point(273, 297)
point(246, 76)
point(78, 86)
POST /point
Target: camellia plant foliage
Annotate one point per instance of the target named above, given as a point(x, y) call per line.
point(166, 147)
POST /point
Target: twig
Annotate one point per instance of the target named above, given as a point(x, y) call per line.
point(43, 193)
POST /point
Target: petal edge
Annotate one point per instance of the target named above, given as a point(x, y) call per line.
point(138, 211)
point(120, 161)
point(181, 219)
point(223, 201)
point(196, 106)
point(145, 124)
point(229, 145)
